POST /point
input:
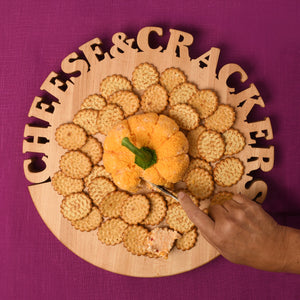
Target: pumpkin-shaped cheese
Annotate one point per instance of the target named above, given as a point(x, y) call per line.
point(158, 133)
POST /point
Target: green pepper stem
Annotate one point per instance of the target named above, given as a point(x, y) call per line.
point(144, 155)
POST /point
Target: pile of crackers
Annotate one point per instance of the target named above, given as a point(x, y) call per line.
point(92, 201)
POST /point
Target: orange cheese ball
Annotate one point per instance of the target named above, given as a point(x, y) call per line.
point(157, 132)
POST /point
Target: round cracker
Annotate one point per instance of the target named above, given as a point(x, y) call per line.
point(187, 240)
point(182, 93)
point(75, 206)
point(93, 149)
point(134, 239)
point(154, 99)
point(200, 183)
point(185, 116)
point(158, 209)
point(111, 231)
point(234, 141)
point(221, 197)
point(90, 222)
point(70, 136)
point(172, 77)
point(222, 119)
point(112, 204)
point(144, 75)
point(75, 164)
point(199, 163)
point(211, 145)
point(127, 100)
point(205, 102)
point(65, 185)
point(192, 137)
point(136, 209)
point(99, 188)
point(228, 171)
point(177, 219)
point(94, 101)
point(109, 117)
point(114, 83)
point(97, 171)
point(87, 119)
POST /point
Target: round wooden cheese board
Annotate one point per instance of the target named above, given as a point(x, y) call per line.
point(80, 76)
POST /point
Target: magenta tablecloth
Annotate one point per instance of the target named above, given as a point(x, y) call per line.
point(260, 36)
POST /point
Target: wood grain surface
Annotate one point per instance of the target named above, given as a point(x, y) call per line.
point(81, 75)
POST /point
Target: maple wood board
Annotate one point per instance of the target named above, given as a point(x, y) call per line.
point(70, 95)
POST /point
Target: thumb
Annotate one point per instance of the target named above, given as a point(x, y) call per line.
point(196, 215)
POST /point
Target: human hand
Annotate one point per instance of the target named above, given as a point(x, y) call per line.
point(241, 231)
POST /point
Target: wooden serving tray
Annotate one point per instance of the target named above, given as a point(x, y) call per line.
point(81, 75)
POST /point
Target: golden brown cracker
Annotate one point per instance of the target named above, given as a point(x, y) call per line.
point(109, 117)
point(93, 149)
point(211, 145)
point(199, 163)
point(234, 141)
point(205, 103)
point(221, 197)
point(177, 219)
point(228, 171)
point(112, 204)
point(134, 239)
point(70, 136)
point(222, 119)
point(187, 240)
point(127, 100)
point(87, 119)
point(172, 77)
point(100, 187)
point(75, 164)
point(158, 209)
point(114, 83)
point(75, 206)
point(65, 185)
point(144, 75)
point(89, 222)
point(192, 137)
point(94, 101)
point(135, 209)
point(200, 183)
point(182, 93)
point(154, 99)
point(185, 116)
point(111, 231)
point(97, 171)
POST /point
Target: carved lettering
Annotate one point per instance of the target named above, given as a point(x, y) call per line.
point(143, 39)
point(56, 87)
point(209, 60)
point(72, 63)
point(41, 110)
point(227, 71)
point(39, 141)
point(262, 129)
point(260, 158)
point(93, 52)
point(122, 45)
point(36, 176)
point(178, 44)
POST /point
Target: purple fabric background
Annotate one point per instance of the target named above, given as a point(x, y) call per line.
point(260, 36)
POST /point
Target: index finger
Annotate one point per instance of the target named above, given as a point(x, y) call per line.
point(197, 216)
